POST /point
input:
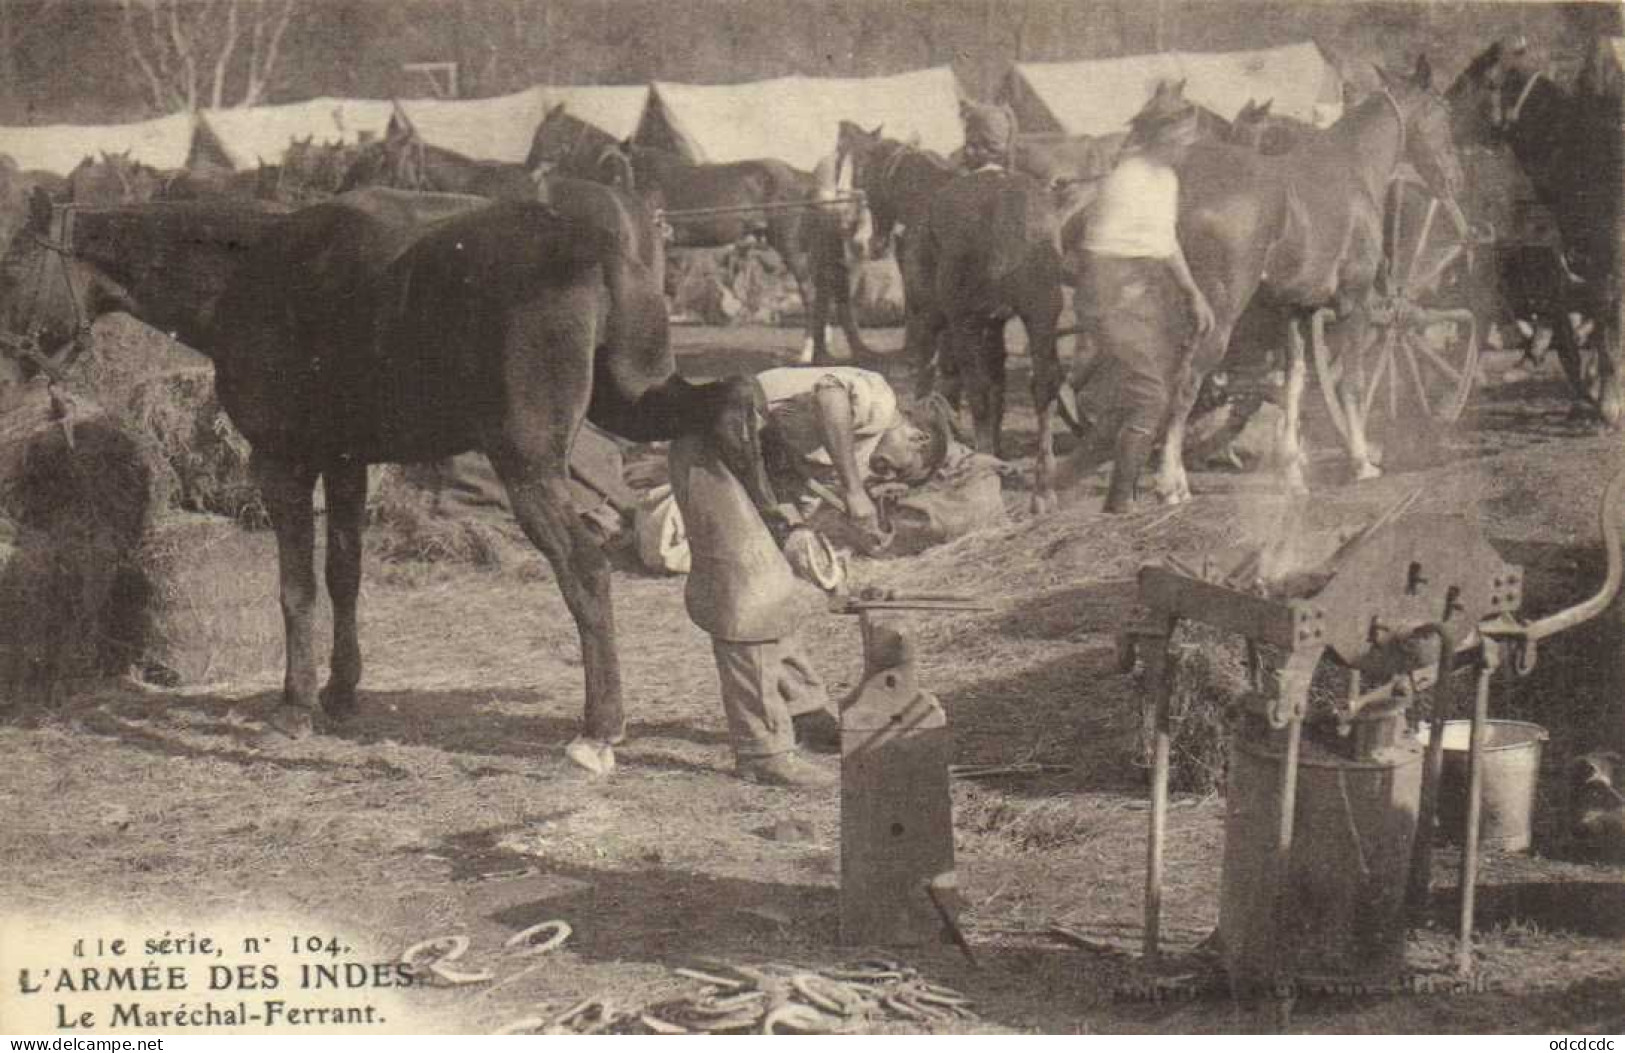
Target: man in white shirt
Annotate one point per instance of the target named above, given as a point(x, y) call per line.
point(1134, 286)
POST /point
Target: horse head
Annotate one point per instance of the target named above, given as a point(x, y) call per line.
point(1426, 133)
point(567, 145)
point(49, 295)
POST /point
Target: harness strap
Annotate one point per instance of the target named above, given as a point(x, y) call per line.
point(1399, 115)
point(1523, 97)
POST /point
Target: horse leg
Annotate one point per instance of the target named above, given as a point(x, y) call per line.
point(1352, 333)
point(965, 362)
point(285, 486)
point(1610, 400)
point(815, 344)
point(345, 483)
point(1289, 443)
point(1566, 343)
point(849, 320)
point(993, 363)
point(536, 479)
point(1046, 388)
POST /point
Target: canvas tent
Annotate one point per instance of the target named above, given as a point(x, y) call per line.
point(1098, 96)
point(262, 133)
point(501, 128)
point(794, 119)
point(161, 143)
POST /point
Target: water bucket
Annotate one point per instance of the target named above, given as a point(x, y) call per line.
point(1344, 909)
point(1511, 770)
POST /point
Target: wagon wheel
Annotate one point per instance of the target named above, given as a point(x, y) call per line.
point(1420, 350)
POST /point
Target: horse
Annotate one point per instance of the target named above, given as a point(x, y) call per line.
point(1055, 159)
point(899, 181)
point(991, 248)
point(117, 179)
point(214, 183)
point(403, 160)
point(667, 181)
point(567, 145)
point(1306, 230)
point(1568, 144)
point(1261, 131)
point(384, 327)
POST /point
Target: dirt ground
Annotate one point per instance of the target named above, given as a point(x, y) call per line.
point(447, 806)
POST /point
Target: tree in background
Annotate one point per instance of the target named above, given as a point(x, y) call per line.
point(193, 53)
point(22, 23)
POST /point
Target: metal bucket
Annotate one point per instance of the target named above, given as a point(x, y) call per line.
point(1512, 751)
point(1344, 908)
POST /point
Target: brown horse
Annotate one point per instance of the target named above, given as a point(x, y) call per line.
point(1306, 229)
point(403, 160)
point(1568, 143)
point(565, 144)
point(1053, 159)
point(1256, 128)
point(899, 182)
point(117, 179)
point(670, 183)
point(385, 327)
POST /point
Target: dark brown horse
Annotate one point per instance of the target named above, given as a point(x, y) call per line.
point(1569, 145)
point(1270, 134)
point(564, 144)
point(117, 179)
point(899, 181)
point(1305, 229)
point(403, 160)
point(672, 184)
point(991, 244)
point(385, 326)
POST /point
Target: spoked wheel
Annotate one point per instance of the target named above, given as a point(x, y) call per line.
point(1419, 354)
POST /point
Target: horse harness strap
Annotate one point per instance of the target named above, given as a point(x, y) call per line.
point(1523, 97)
point(1399, 115)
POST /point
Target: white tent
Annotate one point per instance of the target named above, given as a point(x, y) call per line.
point(262, 133)
point(161, 143)
point(795, 119)
point(493, 129)
point(1099, 96)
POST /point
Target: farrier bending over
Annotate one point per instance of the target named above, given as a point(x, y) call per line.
point(842, 428)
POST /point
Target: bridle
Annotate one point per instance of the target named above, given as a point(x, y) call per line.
point(25, 346)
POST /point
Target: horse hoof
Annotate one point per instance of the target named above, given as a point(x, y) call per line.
point(286, 723)
point(1045, 501)
point(1363, 472)
point(339, 702)
point(593, 755)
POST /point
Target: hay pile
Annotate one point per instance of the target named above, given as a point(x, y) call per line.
point(72, 596)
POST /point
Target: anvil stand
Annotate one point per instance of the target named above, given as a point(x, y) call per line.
point(898, 886)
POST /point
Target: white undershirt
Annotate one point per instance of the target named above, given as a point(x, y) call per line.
point(1137, 212)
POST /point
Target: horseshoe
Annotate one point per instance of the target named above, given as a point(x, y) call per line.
point(524, 943)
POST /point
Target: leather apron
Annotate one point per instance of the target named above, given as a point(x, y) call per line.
point(740, 587)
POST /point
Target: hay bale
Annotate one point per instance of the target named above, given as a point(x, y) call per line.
point(178, 414)
point(208, 590)
point(71, 606)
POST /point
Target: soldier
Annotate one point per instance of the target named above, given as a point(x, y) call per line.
point(841, 428)
point(1134, 276)
point(742, 591)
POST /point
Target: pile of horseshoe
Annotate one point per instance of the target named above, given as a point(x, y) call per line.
point(770, 1000)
